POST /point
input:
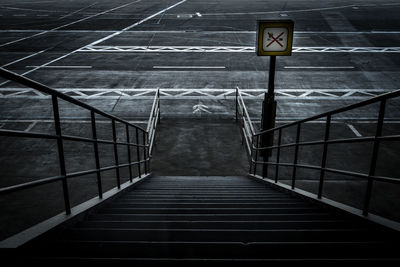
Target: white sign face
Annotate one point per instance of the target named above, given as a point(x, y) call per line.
point(275, 39)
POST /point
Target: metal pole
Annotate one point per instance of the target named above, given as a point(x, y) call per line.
point(268, 115)
point(271, 79)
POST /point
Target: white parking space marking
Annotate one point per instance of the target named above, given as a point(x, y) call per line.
point(21, 59)
point(318, 67)
point(189, 67)
point(62, 67)
point(357, 133)
point(77, 11)
point(30, 127)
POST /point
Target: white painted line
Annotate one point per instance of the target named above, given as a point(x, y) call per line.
point(136, 24)
point(77, 11)
point(357, 133)
point(234, 49)
point(2, 125)
point(283, 11)
point(33, 124)
point(61, 67)
point(68, 24)
point(318, 67)
point(21, 59)
point(189, 67)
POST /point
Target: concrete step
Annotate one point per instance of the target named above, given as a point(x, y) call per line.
point(228, 224)
point(186, 220)
point(219, 235)
point(283, 251)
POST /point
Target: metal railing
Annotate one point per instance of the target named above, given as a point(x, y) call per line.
point(243, 118)
point(154, 120)
point(141, 143)
point(326, 142)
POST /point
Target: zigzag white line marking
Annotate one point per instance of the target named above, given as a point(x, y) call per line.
point(234, 49)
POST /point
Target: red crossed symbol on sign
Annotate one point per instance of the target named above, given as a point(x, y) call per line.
point(274, 39)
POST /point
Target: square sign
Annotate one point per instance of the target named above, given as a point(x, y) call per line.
point(275, 38)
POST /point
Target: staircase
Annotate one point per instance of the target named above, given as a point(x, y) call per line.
point(214, 218)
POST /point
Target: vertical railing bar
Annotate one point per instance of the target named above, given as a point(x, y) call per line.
point(251, 153)
point(96, 153)
point(61, 156)
point(116, 154)
point(374, 157)
point(278, 153)
point(236, 104)
point(295, 155)
point(145, 143)
point(138, 153)
point(128, 141)
point(324, 156)
point(159, 106)
point(256, 155)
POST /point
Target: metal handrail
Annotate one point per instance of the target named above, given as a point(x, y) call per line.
point(336, 111)
point(154, 120)
point(142, 146)
point(245, 121)
point(376, 139)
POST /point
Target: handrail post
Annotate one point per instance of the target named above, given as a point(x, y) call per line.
point(159, 106)
point(256, 155)
point(324, 156)
point(61, 157)
point(374, 157)
point(138, 153)
point(96, 153)
point(116, 154)
point(251, 153)
point(278, 152)
point(236, 104)
point(128, 141)
point(296, 152)
point(145, 143)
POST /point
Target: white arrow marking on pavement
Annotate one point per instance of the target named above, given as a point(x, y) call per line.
point(200, 107)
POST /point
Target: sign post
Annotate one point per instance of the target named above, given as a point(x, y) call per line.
point(274, 38)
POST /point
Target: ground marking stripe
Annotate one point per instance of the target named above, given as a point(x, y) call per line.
point(237, 49)
point(68, 24)
point(21, 59)
point(136, 24)
point(172, 93)
point(354, 130)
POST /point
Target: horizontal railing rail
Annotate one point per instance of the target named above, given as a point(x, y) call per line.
point(257, 150)
point(140, 143)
